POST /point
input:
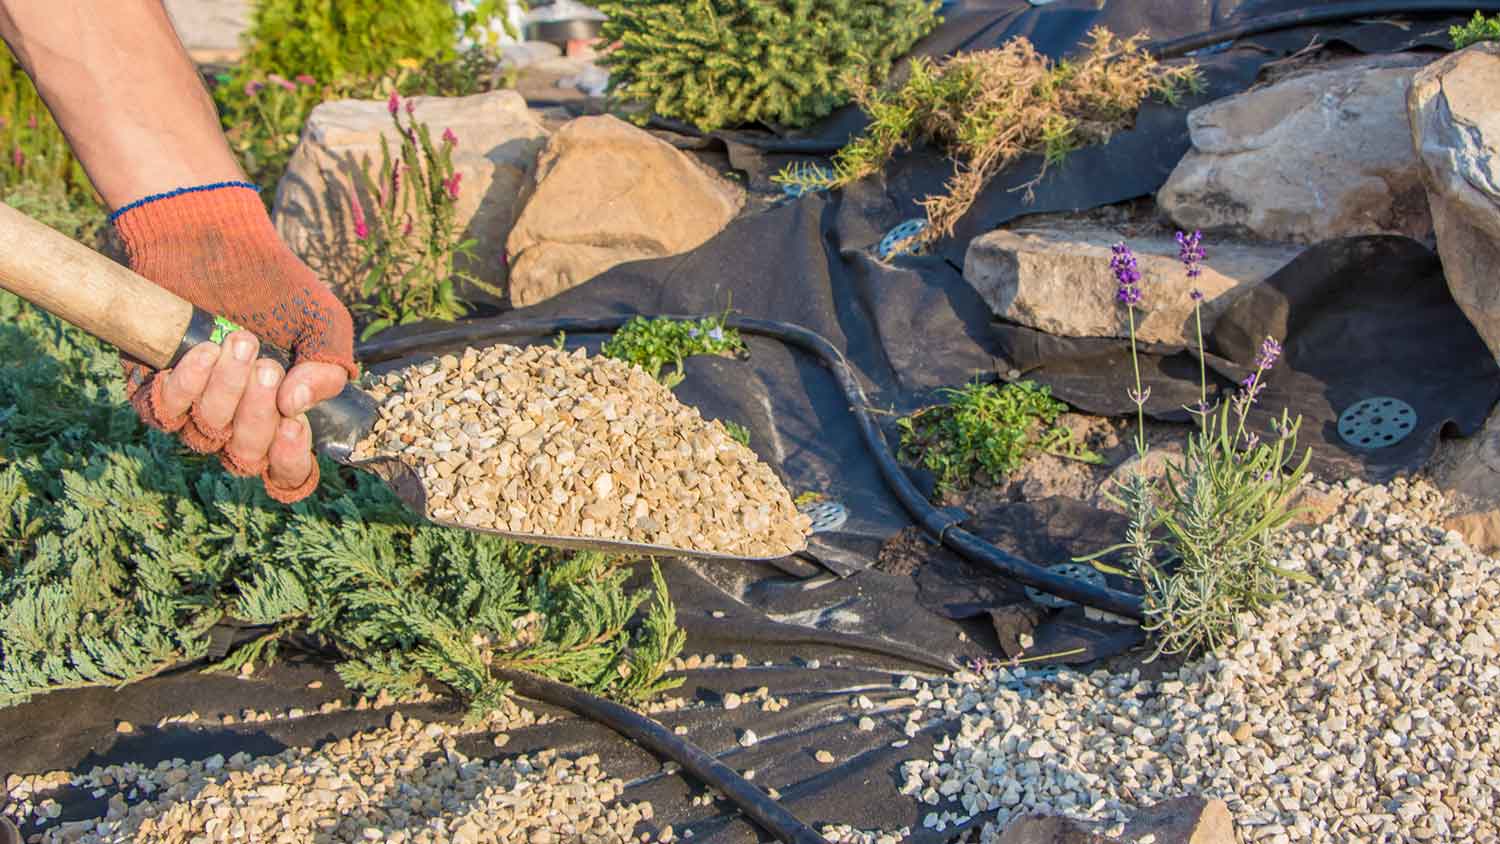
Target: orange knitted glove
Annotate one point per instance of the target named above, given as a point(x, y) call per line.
point(215, 246)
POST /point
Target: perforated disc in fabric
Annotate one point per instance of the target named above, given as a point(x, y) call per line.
point(825, 515)
point(1077, 571)
point(892, 244)
point(1377, 423)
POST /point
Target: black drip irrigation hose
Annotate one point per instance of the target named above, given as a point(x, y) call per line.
point(756, 804)
point(1325, 13)
point(942, 526)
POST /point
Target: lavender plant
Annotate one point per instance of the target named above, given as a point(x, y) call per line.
point(1199, 539)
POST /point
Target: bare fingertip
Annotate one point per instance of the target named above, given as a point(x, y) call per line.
point(268, 373)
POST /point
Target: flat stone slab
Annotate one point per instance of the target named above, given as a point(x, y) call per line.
point(1057, 279)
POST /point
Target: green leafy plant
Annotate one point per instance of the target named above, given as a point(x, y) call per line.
point(1479, 28)
point(989, 108)
point(263, 119)
point(737, 432)
point(409, 235)
point(987, 428)
point(38, 173)
point(120, 550)
point(653, 343)
point(1199, 540)
point(716, 63)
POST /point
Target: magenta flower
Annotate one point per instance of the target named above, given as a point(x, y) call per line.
point(451, 185)
point(449, 138)
point(406, 229)
point(282, 82)
point(357, 211)
point(393, 104)
point(31, 121)
point(1190, 252)
point(1127, 273)
point(1195, 294)
point(411, 108)
point(306, 79)
point(17, 158)
point(253, 87)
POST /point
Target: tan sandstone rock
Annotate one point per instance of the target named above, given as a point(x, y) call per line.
point(1058, 280)
point(1317, 155)
point(1454, 106)
point(605, 193)
point(498, 141)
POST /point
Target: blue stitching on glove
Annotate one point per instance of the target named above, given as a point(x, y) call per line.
point(179, 192)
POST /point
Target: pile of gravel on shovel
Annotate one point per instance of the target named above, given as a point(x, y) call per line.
point(540, 441)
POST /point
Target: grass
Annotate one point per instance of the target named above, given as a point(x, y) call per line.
point(989, 108)
point(985, 431)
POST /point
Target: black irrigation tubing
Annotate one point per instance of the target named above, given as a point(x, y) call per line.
point(941, 525)
point(1325, 13)
point(756, 804)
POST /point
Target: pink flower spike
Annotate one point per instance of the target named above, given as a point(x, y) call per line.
point(406, 230)
point(282, 82)
point(253, 88)
point(393, 104)
point(17, 158)
point(305, 79)
point(452, 185)
point(357, 211)
point(449, 138)
point(411, 108)
point(31, 121)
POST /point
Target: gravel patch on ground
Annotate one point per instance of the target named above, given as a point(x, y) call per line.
point(405, 783)
point(1360, 709)
point(541, 441)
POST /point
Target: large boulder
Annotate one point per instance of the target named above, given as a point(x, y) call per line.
point(1454, 106)
point(211, 30)
point(1317, 155)
point(605, 193)
point(498, 142)
point(1057, 279)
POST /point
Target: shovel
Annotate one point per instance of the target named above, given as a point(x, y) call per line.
point(157, 327)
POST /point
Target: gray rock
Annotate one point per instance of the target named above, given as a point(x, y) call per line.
point(1467, 470)
point(1454, 106)
point(1318, 155)
point(498, 142)
point(1058, 280)
point(1185, 820)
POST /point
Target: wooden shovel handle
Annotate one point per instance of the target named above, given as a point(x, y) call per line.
point(77, 284)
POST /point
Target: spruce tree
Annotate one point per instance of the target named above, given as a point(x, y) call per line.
point(785, 63)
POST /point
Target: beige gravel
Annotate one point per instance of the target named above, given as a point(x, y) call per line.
point(540, 441)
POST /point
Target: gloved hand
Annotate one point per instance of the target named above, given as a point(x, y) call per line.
point(215, 246)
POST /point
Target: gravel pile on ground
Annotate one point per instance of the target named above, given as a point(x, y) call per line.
point(536, 440)
point(1361, 709)
point(402, 784)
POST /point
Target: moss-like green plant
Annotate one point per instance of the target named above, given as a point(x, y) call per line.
point(1479, 28)
point(991, 107)
point(988, 428)
point(716, 63)
point(653, 343)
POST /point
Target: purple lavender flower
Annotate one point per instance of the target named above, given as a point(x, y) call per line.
point(1127, 274)
point(716, 334)
point(1270, 350)
point(1190, 252)
point(1195, 294)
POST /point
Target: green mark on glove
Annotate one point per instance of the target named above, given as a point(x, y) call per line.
point(222, 328)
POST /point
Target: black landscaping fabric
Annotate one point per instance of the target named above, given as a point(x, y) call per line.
point(1360, 317)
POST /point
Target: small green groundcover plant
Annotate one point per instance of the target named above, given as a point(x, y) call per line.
point(985, 431)
point(1479, 28)
point(119, 551)
point(717, 63)
point(989, 108)
point(406, 224)
point(1199, 539)
point(654, 343)
point(38, 174)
